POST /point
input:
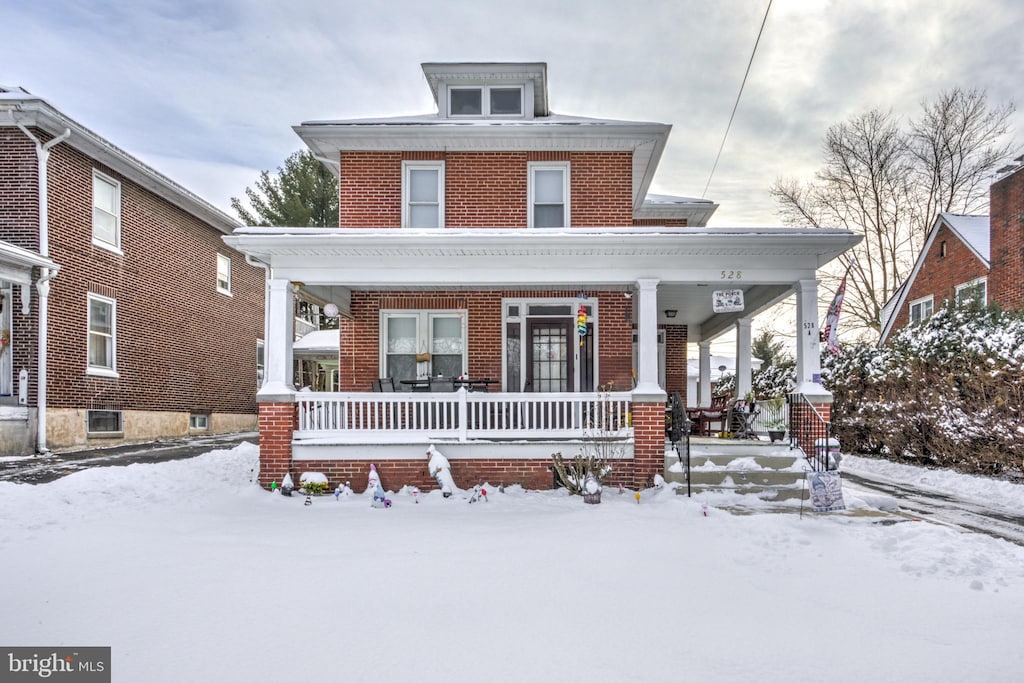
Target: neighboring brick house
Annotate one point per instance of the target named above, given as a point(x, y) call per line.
point(977, 258)
point(151, 322)
point(518, 249)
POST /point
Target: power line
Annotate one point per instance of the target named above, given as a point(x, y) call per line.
point(738, 95)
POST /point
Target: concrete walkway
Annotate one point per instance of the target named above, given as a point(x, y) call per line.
point(39, 469)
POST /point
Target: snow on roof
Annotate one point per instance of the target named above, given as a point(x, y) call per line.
point(318, 341)
point(435, 120)
point(973, 230)
point(670, 200)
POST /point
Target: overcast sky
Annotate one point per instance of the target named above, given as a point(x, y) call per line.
point(207, 92)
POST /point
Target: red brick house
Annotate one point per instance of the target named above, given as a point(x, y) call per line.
point(980, 258)
point(115, 286)
point(498, 241)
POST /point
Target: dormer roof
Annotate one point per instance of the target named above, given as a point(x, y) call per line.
point(439, 74)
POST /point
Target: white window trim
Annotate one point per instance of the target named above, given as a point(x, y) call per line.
point(103, 244)
point(970, 284)
point(485, 101)
point(221, 258)
point(195, 417)
point(917, 302)
point(531, 168)
point(261, 367)
point(524, 313)
point(423, 329)
point(407, 166)
point(101, 371)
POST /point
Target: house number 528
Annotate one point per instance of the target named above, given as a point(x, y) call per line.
point(732, 274)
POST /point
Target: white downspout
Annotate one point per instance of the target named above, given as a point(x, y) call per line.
point(266, 293)
point(43, 283)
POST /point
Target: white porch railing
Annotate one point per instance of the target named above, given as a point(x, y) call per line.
point(461, 415)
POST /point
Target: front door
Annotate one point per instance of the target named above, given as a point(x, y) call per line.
point(549, 354)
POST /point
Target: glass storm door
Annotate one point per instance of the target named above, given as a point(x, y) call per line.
point(549, 355)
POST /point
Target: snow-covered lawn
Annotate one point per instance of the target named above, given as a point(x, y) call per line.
point(192, 573)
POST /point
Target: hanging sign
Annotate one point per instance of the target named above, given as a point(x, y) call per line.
point(727, 300)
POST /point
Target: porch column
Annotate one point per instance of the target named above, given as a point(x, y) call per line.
point(704, 375)
point(744, 373)
point(278, 377)
point(808, 345)
point(276, 398)
point(647, 338)
point(648, 396)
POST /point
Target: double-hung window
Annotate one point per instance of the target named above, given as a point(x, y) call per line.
point(973, 293)
point(548, 195)
point(102, 344)
point(416, 344)
point(106, 212)
point(223, 274)
point(423, 194)
point(921, 309)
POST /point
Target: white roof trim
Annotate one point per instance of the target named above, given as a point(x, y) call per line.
point(32, 111)
point(646, 140)
point(23, 260)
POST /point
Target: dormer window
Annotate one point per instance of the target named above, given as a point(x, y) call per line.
point(485, 101)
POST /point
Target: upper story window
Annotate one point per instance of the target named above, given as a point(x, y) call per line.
point(921, 309)
point(223, 274)
point(423, 194)
point(106, 211)
point(973, 293)
point(102, 344)
point(486, 100)
point(548, 190)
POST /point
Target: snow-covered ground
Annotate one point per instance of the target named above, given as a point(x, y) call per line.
point(190, 572)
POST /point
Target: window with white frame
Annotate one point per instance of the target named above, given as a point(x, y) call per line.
point(104, 422)
point(423, 194)
point(487, 100)
point(417, 344)
point(102, 343)
point(548, 195)
point(921, 309)
point(199, 422)
point(223, 274)
point(260, 362)
point(973, 293)
point(106, 211)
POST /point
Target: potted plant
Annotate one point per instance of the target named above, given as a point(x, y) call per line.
point(776, 418)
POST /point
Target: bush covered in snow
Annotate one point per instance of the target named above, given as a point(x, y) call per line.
point(946, 393)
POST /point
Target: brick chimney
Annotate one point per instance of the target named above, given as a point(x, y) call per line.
point(1006, 221)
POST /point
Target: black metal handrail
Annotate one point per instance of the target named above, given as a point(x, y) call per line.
point(679, 433)
point(811, 433)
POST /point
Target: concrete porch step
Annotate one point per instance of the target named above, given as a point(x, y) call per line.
point(739, 478)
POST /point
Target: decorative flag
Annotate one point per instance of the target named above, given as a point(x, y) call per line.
point(828, 333)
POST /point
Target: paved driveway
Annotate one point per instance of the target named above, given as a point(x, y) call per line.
point(41, 469)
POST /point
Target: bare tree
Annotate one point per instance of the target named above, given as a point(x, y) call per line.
point(888, 184)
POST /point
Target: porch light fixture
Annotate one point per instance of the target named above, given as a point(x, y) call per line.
point(331, 311)
point(671, 313)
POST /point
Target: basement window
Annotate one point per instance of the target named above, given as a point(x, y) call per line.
point(104, 423)
point(199, 422)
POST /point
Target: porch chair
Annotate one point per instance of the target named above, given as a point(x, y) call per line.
point(441, 385)
point(383, 384)
point(713, 414)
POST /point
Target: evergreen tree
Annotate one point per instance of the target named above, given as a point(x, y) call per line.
point(302, 194)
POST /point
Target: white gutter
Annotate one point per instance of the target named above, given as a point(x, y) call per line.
point(43, 283)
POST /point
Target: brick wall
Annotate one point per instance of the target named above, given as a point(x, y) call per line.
point(648, 442)
point(277, 422)
point(19, 225)
point(485, 189)
point(1006, 206)
point(359, 350)
point(939, 274)
point(675, 360)
point(394, 474)
point(180, 345)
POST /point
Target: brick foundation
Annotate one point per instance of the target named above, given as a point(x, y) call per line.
point(649, 442)
point(277, 423)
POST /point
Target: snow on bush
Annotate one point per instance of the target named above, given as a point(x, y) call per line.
point(945, 393)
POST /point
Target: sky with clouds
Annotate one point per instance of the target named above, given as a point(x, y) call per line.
point(207, 92)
